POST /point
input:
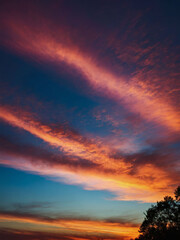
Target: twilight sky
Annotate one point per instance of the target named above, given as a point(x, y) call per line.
point(89, 116)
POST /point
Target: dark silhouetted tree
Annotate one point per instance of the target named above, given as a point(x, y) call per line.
point(162, 221)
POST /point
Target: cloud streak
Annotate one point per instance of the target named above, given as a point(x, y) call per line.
point(85, 163)
point(76, 226)
point(8, 234)
point(131, 94)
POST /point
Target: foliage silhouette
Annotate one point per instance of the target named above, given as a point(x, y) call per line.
point(162, 221)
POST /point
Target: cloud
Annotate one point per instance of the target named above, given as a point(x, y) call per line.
point(43, 156)
point(88, 162)
point(75, 226)
point(90, 165)
point(62, 139)
point(30, 206)
point(9, 234)
point(49, 48)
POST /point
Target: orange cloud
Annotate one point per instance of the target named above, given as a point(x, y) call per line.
point(72, 226)
point(77, 147)
point(134, 96)
point(148, 183)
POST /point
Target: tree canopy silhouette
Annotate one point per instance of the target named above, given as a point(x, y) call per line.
point(162, 221)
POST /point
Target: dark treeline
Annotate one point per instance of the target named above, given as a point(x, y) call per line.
point(162, 221)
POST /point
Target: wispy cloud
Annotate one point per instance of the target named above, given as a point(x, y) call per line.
point(125, 54)
point(30, 206)
point(87, 164)
point(8, 234)
point(155, 108)
point(77, 226)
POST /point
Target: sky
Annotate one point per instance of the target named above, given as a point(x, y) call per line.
point(89, 116)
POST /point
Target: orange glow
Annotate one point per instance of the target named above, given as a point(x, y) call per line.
point(80, 226)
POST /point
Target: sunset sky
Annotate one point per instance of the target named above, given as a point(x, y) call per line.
point(89, 116)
